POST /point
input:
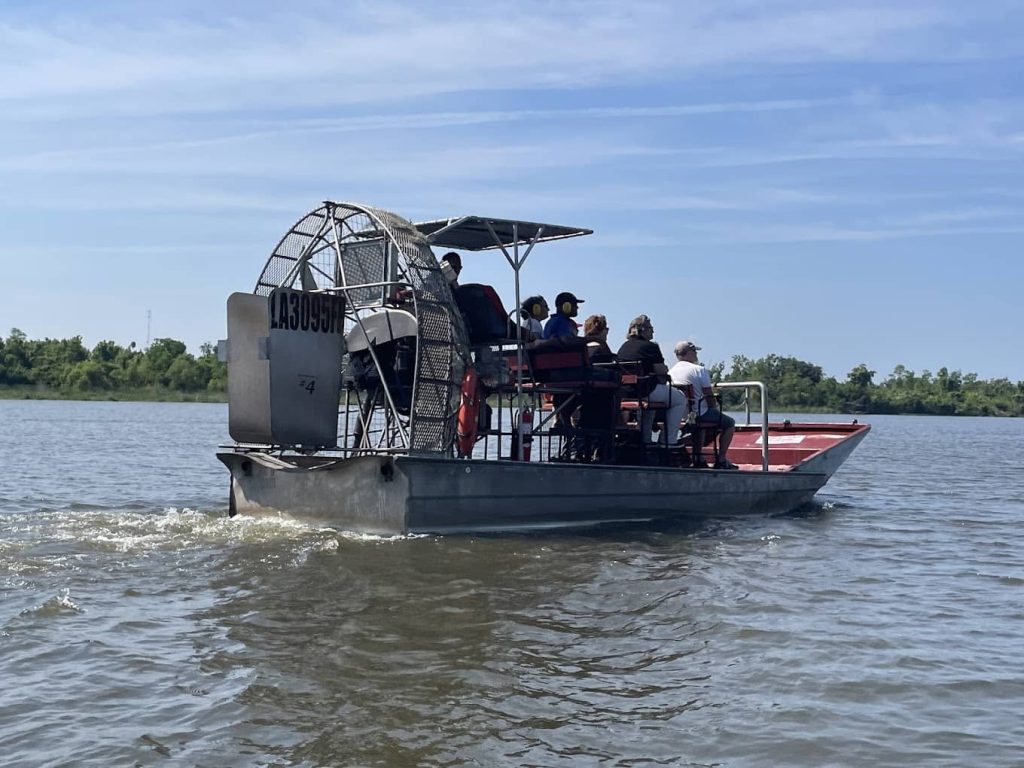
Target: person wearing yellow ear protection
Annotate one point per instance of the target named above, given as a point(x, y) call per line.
point(532, 311)
point(567, 306)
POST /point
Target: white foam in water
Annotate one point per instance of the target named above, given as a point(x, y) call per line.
point(55, 606)
point(287, 522)
point(126, 530)
point(134, 532)
point(374, 538)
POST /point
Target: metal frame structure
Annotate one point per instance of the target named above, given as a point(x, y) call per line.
point(314, 252)
point(480, 233)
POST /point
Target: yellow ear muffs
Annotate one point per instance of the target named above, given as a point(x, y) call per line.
point(538, 311)
point(567, 307)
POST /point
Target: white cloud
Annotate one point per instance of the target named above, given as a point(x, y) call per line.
point(829, 233)
point(111, 158)
point(87, 65)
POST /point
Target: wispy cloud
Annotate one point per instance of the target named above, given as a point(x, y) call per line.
point(694, 236)
point(281, 59)
point(93, 155)
point(825, 233)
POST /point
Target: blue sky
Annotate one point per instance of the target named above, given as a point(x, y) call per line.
point(839, 182)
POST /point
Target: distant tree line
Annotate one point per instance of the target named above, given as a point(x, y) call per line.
point(67, 367)
point(797, 385)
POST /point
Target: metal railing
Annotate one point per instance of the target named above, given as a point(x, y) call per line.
point(746, 386)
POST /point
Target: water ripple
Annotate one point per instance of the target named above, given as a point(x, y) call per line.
point(140, 626)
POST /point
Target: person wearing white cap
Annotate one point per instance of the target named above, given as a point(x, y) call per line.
point(689, 372)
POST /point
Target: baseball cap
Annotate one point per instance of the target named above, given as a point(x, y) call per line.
point(682, 347)
point(566, 296)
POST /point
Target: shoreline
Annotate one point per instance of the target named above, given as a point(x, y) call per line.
point(160, 395)
point(154, 395)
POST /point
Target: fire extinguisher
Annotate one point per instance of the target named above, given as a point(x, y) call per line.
point(524, 434)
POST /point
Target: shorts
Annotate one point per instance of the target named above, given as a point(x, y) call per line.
point(715, 418)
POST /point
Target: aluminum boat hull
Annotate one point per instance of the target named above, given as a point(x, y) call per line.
point(417, 494)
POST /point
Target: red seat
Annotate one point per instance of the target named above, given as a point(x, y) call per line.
point(561, 368)
point(485, 316)
point(694, 433)
point(634, 405)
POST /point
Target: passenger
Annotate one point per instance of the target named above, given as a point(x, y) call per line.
point(532, 311)
point(595, 331)
point(599, 407)
point(451, 268)
point(639, 348)
point(688, 372)
point(567, 306)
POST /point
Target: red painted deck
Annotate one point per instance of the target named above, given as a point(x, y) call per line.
point(789, 443)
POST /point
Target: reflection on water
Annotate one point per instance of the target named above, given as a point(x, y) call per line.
point(138, 625)
point(546, 639)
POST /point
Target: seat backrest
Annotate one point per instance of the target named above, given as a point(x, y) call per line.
point(635, 383)
point(687, 390)
point(560, 364)
point(485, 315)
point(563, 360)
point(550, 360)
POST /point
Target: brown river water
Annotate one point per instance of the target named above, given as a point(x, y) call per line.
point(141, 627)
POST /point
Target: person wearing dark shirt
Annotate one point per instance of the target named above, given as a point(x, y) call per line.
point(451, 268)
point(567, 306)
point(599, 403)
point(562, 326)
point(639, 348)
point(595, 332)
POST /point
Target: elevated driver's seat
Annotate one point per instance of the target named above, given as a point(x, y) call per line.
point(487, 321)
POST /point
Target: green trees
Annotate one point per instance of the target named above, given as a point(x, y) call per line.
point(797, 385)
point(790, 382)
point(65, 366)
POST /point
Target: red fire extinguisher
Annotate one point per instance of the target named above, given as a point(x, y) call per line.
point(524, 434)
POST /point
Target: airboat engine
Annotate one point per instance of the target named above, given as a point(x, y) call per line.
point(351, 341)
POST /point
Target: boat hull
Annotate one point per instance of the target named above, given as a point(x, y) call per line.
point(414, 494)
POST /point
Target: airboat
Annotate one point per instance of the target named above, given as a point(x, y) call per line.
point(369, 391)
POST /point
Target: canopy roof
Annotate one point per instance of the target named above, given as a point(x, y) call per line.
point(472, 233)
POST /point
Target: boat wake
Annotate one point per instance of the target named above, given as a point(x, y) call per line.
point(811, 509)
point(48, 540)
point(373, 538)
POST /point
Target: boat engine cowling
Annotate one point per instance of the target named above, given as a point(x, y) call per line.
point(382, 353)
point(284, 352)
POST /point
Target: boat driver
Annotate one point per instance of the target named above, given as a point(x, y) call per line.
point(451, 267)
